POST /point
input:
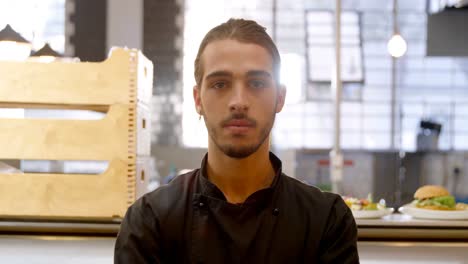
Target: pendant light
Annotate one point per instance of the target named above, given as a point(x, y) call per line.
point(13, 46)
point(397, 44)
point(45, 54)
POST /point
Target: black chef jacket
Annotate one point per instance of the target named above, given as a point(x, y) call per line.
point(190, 221)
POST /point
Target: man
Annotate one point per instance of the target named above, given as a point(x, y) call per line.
point(238, 207)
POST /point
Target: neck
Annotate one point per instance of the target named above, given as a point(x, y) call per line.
point(239, 178)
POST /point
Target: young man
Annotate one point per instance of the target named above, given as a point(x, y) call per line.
point(238, 207)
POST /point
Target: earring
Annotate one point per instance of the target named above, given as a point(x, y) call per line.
point(199, 111)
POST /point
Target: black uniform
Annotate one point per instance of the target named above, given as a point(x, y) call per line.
point(190, 221)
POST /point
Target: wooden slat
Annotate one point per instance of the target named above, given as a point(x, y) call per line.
point(142, 176)
point(144, 79)
point(97, 108)
point(62, 195)
point(143, 129)
point(113, 81)
point(48, 139)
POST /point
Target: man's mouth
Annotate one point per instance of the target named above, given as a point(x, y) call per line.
point(239, 125)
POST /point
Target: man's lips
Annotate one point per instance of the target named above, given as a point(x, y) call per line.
point(239, 126)
point(239, 123)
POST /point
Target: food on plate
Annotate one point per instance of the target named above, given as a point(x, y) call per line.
point(461, 206)
point(434, 197)
point(364, 204)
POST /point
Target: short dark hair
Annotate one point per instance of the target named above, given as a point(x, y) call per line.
point(247, 31)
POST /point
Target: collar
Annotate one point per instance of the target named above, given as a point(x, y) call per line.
point(210, 190)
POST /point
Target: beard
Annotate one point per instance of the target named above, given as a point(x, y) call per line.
point(240, 151)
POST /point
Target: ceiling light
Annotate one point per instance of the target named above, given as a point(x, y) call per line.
point(397, 46)
point(45, 54)
point(13, 46)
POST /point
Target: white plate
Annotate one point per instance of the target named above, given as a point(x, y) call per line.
point(416, 212)
point(372, 213)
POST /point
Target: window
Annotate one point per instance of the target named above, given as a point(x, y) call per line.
point(320, 54)
point(38, 21)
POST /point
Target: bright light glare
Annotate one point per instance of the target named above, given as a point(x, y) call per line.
point(397, 46)
point(291, 76)
point(43, 59)
point(14, 51)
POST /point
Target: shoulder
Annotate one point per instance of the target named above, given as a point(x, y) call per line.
point(320, 207)
point(330, 215)
point(167, 198)
point(311, 195)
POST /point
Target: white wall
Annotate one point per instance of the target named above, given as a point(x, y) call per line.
point(56, 250)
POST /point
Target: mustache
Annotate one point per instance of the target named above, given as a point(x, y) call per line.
point(238, 116)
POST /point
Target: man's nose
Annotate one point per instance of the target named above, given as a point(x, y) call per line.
point(239, 100)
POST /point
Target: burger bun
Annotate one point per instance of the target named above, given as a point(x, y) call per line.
point(430, 191)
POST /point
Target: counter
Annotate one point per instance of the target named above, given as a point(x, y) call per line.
point(399, 227)
point(395, 227)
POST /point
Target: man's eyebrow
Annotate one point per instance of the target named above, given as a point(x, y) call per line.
point(253, 73)
point(259, 73)
point(218, 74)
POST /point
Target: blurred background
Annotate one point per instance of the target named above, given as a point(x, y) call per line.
point(404, 116)
point(404, 119)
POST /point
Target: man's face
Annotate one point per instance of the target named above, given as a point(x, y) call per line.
point(238, 97)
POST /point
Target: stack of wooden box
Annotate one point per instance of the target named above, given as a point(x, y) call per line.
point(121, 88)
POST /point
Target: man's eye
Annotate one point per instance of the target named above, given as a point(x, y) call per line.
point(218, 85)
point(257, 84)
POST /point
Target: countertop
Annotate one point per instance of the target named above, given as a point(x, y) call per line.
point(403, 227)
point(394, 227)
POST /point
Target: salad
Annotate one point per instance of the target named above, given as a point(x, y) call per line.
point(364, 204)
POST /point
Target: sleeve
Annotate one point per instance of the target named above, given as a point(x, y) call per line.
point(138, 240)
point(339, 243)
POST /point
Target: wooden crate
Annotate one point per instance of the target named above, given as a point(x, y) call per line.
point(119, 86)
point(126, 76)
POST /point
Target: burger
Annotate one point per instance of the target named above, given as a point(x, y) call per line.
point(434, 197)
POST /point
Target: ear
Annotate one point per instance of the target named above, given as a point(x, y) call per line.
point(197, 99)
point(280, 98)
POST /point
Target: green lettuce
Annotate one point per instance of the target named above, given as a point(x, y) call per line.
point(443, 201)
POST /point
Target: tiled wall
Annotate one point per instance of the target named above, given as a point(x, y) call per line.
point(86, 29)
point(162, 43)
